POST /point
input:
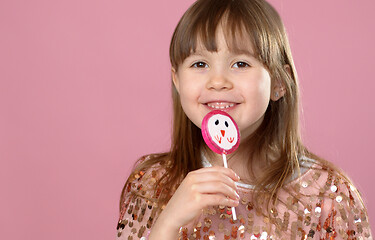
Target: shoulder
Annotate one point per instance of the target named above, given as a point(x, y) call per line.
point(326, 181)
point(323, 178)
point(327, 193)
point(147, 177)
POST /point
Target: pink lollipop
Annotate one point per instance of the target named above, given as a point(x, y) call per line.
point(221, 134)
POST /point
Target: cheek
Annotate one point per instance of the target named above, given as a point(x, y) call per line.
point(264, 89)
point(189, 104)
point(190, 91)
point(263, 85)
point(257, 94)
point(258, 90)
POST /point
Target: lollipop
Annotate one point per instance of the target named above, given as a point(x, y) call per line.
point(220, 132)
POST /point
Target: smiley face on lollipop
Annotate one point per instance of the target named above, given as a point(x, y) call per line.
point(220, 132)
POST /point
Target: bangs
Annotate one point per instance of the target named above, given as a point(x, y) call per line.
point(198, 28)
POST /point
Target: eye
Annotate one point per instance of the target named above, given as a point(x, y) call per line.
point(199, 65)
point(217, 122)
point(240, 65)
point(226, 124)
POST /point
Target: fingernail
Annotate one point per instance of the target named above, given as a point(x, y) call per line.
point(238, 177)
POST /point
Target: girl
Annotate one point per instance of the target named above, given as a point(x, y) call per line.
point(234, 55)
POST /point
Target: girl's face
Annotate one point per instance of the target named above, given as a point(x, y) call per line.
point(236, 83)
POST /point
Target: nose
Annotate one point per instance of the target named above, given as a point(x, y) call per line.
point(219, 81)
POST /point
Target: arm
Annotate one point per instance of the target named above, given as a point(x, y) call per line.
point(201, 188)
point(352, 215)
point(346, 216)
point(136, 217)
point(138, 207)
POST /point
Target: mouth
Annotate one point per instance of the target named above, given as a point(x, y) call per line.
point(221, 105)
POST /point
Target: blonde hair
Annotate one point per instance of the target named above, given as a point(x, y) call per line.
point(278, 139)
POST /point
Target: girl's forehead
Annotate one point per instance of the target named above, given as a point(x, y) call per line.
point(235, 37)
point(222, 41)
point(207, 33)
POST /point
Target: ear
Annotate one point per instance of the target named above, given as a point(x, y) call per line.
point(278, 88)
point(175, 79)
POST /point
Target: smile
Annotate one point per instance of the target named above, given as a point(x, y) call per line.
point(220, 105)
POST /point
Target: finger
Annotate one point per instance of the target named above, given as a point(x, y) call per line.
point(215, 187)
point(217, 199)
point(227, 171)
point(212, 176)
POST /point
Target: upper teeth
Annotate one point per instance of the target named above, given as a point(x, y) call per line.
point(220, 105)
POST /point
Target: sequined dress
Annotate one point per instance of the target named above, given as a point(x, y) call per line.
point(320, 204)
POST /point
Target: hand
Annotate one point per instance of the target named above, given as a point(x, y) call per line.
point(201, 188)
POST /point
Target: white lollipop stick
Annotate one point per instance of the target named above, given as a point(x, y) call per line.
point(226, 166)
point(221, 134)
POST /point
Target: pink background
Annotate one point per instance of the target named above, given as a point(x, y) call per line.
point(85, 90)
